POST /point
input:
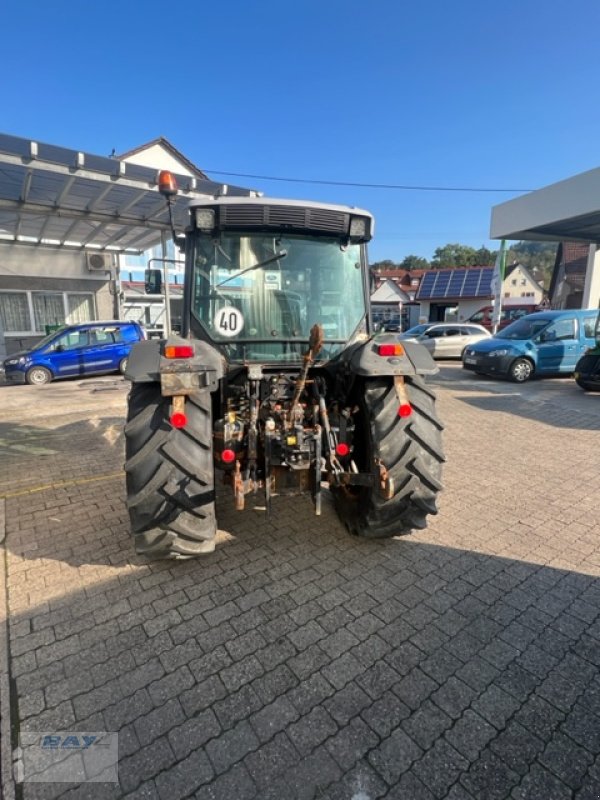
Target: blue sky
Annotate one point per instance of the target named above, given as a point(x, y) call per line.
point(435, 93)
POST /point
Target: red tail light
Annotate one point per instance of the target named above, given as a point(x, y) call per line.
point(405, 410)
point(228, 456)
point(179, 351)
point(390, 350)
point(178, 420)
point(342, 449)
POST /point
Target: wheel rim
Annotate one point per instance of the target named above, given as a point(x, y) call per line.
point(38, 376)
point(123, 366)
point(521, 371)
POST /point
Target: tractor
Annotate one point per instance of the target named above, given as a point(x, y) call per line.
point(277, 381)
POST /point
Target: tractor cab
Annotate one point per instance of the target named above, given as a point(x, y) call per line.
point(255, 293)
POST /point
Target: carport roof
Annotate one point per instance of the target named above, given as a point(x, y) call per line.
point(59, 197)
point(565, 211)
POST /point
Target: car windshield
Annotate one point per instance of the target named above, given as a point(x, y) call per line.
point(47, 339)
point(525, 328)
point(259, 295)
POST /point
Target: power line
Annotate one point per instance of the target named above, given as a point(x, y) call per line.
point(364, 185)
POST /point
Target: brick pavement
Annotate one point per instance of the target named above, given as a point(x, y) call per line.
point(298, 661)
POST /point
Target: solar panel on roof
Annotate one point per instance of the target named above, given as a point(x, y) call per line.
point(441, 284)
point(427, 281)
point(456, 283)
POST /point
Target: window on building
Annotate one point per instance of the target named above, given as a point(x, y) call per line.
point(48, 309)
point(14, 312)
point(80, 308)
point(513, 282)
point(32, 312)
point(523, 282)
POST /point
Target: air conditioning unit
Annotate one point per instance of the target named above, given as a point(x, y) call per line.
point(98, 262)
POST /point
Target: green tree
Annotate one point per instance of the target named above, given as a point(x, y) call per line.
point(454, 255)
point(414, 262)
point(385, 265)
point(537, 257)
point(485, 257)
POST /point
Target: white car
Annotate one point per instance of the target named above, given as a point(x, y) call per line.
point(448, 339)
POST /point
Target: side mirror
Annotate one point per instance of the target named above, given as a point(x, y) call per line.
point(153, 281)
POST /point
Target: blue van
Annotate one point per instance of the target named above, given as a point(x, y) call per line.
point(544, 343)
point(90, 348)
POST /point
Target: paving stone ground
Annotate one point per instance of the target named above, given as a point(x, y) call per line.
point(298, 661)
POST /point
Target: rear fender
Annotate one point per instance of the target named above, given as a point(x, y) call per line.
point(147, 364)
point(416, 359)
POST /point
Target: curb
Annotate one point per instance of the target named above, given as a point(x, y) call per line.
point(7, 785)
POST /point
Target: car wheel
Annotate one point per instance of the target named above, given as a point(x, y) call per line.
point(37, 376)
point(123, 365)
point(521, 370)
point(584, 385)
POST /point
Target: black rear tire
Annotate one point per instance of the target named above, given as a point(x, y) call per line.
point(587, 387)
point(170, 475)
point(411, 450)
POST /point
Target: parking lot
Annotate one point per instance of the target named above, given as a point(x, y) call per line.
point(298, 661)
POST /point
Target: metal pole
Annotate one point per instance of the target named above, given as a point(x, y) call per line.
point(163, 244)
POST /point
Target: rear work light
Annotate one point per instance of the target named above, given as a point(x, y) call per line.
point(179, 351)
point(390, 350)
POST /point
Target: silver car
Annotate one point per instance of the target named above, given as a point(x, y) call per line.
point(447, 339)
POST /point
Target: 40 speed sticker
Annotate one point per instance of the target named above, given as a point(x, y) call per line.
point(228, 321)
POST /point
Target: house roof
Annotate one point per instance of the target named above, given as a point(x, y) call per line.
point(389, 292)
point(161, 141)
point(402, 276)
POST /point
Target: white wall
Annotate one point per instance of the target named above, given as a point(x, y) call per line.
point(158, 158)
point(46, 262)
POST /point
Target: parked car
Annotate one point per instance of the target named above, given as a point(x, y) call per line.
point(508, 314)
point(448, 339)
point(587, 369)
point(416, 330)
point(90, 348)
point(544, 343)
